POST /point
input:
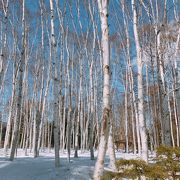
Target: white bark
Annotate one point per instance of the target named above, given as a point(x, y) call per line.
point(4, 43)
point(176, 118)
point(111, 150)
point(131, 81)
point(11, 112)
point(92, 111)
point(171, 123)
point(79, 119)
point(20, 90)
point(126, 113)
point(99, 167)
point(37, 113)
point(55, 88)
point(47, 81)
point(142, 128)
point(68, 129)
point(91, 134)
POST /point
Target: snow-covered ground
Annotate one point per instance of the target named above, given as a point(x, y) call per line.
point(42, 168)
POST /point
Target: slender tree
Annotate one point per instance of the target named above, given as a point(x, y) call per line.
point(142, 127)
point(55, 86)
point(20, 89)
point(99, 167)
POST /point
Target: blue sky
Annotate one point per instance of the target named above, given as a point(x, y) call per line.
point(32, 6)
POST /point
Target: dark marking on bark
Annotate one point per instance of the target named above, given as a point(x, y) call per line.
point(106, 112)
point(106, 69)
point(102, 162)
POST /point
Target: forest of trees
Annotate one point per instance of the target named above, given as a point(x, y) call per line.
point(89, 75)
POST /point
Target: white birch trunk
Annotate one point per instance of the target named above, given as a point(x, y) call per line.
point(68, 129)
point(131, 81)
point(171, 123)
point(48, 78)
point(20, 91)
point(91, 134)
point(142, 127)
point(99, 167)
point(176, 118)
point(55, 88)
point(11, 112)
point(5, 8)
point(79, 117)
point(126, 113)
point(111, 149)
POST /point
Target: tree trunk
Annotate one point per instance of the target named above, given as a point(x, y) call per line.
point(99, 167)
point(20, 90)
point(142, 128)
point(55, 88)
point(111, 150)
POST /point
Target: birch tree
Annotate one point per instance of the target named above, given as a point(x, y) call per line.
point(99, 167)
point(142, 127)
point(55, 87)
point(20, 89)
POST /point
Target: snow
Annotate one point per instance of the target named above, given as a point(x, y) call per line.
point(42, 168)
